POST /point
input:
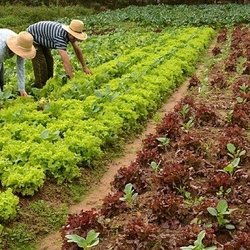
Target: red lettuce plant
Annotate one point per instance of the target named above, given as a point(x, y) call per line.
point(190, 141)
point(132, 174)
point(222, 37)
point(166, 206)
point(218, 80)
point(204, 116)
point(216, 51)
point(172, 175)
point(170, 126)
point(112, 205)
point(221, 179)
point(241, 115)
point(80, 224)
point(137, 234)
point(194, 82)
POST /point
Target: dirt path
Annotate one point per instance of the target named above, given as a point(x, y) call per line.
point(94, 199)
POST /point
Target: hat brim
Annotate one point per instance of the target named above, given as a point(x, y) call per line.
point(81, 36)
point(12, 44)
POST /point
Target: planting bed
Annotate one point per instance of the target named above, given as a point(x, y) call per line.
point(191, 172)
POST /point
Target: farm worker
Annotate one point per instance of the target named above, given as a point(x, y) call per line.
point(20, 44)
point(54, 35)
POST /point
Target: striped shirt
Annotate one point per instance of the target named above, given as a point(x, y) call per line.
point(4, 54)
point(49, 34)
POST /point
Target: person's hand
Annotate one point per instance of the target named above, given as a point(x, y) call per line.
point(23, 93)
point(87, 71)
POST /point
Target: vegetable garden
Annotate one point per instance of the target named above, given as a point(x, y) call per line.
point(188, 188)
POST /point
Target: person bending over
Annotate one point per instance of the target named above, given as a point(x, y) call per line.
point(54, 35)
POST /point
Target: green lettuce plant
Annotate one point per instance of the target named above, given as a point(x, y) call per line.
point(8, 205)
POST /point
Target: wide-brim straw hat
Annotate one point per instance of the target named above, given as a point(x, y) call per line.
point(76, 29)
point(22, 45)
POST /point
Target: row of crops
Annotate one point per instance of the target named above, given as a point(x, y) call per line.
point(138, 56)
point(74, 123)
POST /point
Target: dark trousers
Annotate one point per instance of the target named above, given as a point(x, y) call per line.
point(1, 77)
point(42, 65)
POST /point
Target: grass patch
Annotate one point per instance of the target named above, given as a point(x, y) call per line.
point(46, 211)
point(19, 17)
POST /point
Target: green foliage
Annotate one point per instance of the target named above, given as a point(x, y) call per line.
point(230, 168)
point(189, 200)
point(154, 166)
point(188, 125)
point(184, 111)
point(222, 192)
point(18, 236)
point(60, 134)
point(129, 195)
point(92, 239)
point(8, 205)
point(233, 152)
point(198, 245)
point(28, 15)
point(23, 179)
point(164, 141)
point(244, 88)
point(48, 214)
point(220, 211)
point(174, 15)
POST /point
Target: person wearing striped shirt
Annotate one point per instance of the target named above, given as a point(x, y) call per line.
point(54, 35)
point(20, 45)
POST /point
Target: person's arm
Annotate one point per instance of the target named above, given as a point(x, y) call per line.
point(80, 57)
point(66, 62)
point(21, 76)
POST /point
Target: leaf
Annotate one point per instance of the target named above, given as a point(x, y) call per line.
point(95, 243)
point(212, 211)
point(128, 188)
point(231, 148)
point(45, 134)
point(187, 248)
point(230, 226)
point(76, 239)
point(222, 206)
point(211, 248)
point(92, 235)
point(229, 168)
point(235, 162)
point(242, 153)
point(200, 237)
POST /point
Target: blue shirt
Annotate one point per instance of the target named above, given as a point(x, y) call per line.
point(4, 54)
point(49, 34)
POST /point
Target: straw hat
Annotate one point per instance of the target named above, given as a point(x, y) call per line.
point(76, 29)
point(22, 45)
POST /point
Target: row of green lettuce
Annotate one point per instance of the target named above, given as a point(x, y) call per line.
point(55, 137)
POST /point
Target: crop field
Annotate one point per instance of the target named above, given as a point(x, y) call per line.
point(188, 187)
